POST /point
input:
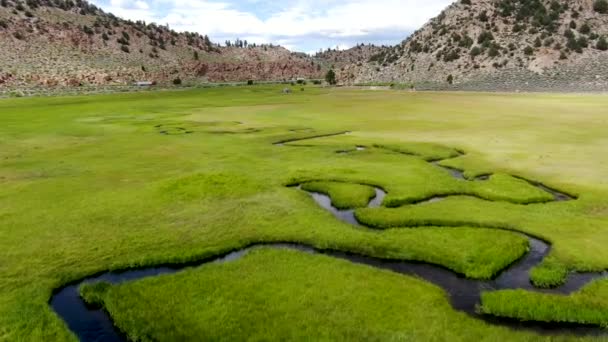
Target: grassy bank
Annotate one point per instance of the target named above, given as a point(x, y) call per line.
point(301, 297)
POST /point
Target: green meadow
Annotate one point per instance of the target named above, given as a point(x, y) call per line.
point(112, 182)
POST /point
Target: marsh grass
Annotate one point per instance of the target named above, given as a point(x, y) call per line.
point(88, 184)
point(93, 294)
point(301, 297)
point(587, 306)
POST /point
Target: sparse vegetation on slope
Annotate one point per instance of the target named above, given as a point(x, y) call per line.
point(500, 44)
point(56, 43)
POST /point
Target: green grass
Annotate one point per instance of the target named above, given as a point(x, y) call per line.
point(301, 297)
point(88, 184)
point(343, 195)
point(587, 306)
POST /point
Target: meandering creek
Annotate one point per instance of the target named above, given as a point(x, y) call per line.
point(95, 324)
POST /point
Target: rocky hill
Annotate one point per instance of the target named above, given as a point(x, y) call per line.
point(357, 55)
point(499, 45)
point(56, 43)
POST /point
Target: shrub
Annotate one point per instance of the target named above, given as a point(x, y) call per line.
point(585, 29)
point(483, 17)
point(18, 35)
point(451, 56)
point(3, 24)
point(602, 44)
point(330, 77)
point(563, 55)
point(88, 30)
point(450, 79)
point(583, 42)
point(104, 36)
point(493, 52)
point(29, 14)
point(196, 55)
point(484, 37)
point(573, 24)
point(601, 6)
point(125, 48)
point(465, 42)
point(476, 51)
point(538, 43)
point(528, 51)
point(466, 2)
point(250, 82)
point(177, 81)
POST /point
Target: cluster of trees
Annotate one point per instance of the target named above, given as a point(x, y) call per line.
point(243, 44)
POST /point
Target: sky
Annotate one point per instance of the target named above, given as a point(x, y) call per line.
point(304, 26)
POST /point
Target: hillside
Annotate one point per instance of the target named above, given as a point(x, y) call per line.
point(357, 55)
point(499, 45)
point(56, 43)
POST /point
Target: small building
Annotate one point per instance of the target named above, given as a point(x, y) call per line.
point(144, 83)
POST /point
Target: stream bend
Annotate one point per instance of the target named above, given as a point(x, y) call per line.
point(91, 324)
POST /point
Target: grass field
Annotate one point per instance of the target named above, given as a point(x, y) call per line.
point(116, 181)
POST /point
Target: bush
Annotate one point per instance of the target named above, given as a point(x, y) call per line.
point(250, 82)
point(476, 51)
point(104, 36)
point(18, 35)
point(528, 51)
point(88, 30)
point(602, 44)
point(601, 6)
point(450, 79)
point(451, 56)
point(585, 29)
point(125, 48)
point(177, 81)
point(485, 37)
point(493, 52)
point(483, 16)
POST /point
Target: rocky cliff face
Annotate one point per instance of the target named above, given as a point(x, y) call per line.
point(499, 45)
point(55, 43)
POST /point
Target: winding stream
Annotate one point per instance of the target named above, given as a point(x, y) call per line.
point(91, 324)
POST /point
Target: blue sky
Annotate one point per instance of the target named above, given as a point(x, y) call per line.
point(305, 26)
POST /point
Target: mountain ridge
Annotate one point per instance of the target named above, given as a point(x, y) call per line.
point(499, 45)
point(64, 43)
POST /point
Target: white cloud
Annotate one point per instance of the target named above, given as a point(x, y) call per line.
point(296, 23)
